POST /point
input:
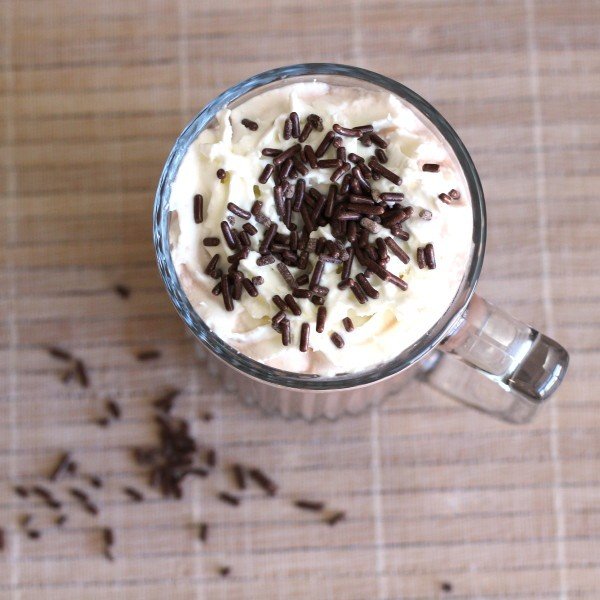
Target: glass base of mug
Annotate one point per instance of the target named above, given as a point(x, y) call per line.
point(309, 405)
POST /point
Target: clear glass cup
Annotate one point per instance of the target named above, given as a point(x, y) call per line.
point(504, 368)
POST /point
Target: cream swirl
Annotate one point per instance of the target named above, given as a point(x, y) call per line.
point(383, 327)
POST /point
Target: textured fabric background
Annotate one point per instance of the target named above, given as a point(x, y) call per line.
point(92, 95)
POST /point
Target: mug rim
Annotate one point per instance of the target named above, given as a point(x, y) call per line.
point(303, 381)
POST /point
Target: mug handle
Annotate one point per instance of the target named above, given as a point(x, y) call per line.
point(512, 368)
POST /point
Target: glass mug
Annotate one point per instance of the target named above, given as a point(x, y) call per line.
point(505, 368)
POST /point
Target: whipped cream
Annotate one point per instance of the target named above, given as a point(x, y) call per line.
point(383, 327)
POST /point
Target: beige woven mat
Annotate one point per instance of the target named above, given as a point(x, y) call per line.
point(92, 96)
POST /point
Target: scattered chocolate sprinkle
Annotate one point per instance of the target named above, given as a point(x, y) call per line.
point(34, 534)
point(431, 167)
point(250, 287)
point(80, 371)
point(258, 280)
point(425, 214)
point(263, 481)
point(148, 355)
point(198, 208)
point(21, 491)
point(2, 540)
point(321, 318)
point(309, 505)
point(335, 518)
point(211, 241)
point(224, 571)
point(134, 494)
point(46, 496)
point(61, 467)
point(221, 174)
point(251, 125)
point(203, 532)
point(228, 498)
point(341, 154)
point(122, 290)
point(365, 140)
point(84, 501)
point(454, 194)
point(95, 481)
point(239, 476)
point(211, 457)
point(429, 256)
point(60, 520)
point(206, 416)
point(279, 303)
point(304, 336)
point(25, 520)
point(445, 198)
point(446, 586)
point(337, 339)
point(113, 408)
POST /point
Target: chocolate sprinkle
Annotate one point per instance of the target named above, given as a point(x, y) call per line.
point(221, 174)
point(337, 340)
point(431, 167)
point(198, 210)
point(224, 571)
point(21, 491)
point(251, 125)
point(429, 256)
point(425, 214)
point(445, 198)
point(304, 337)
point(236, 210)
point(454, 194)
point(348, 324)
point(321, 318)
